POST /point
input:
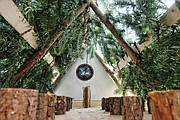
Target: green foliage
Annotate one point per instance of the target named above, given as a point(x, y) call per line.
point(102, 38)
point(47, 18)
point(161, 59)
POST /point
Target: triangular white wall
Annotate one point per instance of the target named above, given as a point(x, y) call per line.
point(101, 84)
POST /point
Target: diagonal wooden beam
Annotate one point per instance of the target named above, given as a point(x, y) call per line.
point(11, 13)
point(111, 74)
point(29, 64)
point(170, 17)
point(133, 55)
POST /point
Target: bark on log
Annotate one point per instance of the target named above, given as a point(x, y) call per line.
point(165, 105)
point(46, 107)
point(107, 105)
point(68, 103)
point(86, 97)
point(116, 105)
point(103, 103)
point(60, 106)
point(132, 108)
point(133, 55)
point(29, 64)
point(18, 104)
point(71, 103)
point(148, 105)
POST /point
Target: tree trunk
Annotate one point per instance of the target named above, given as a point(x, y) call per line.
point(107, 105)
point(46, 107)
point(60, 106)
point(133, 55)
point(132, 108)
point(18, 104)
point(103, 103)
point(29, 64)
point(116, 105)
point(86, 97)
point(165, 105)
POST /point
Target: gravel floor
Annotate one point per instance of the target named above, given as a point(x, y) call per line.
point(92, 114)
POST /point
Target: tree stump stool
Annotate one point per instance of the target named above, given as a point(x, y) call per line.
point(132, 108)
point(18, 104)
point(60, 106)
point(148, 105)
point(71, 103)
point(68, 107)
point(103, 103)
point(115, 105)
point(46, 107)
point(165, 105)
point(107, 106)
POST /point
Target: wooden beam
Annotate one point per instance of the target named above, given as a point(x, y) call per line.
point(111, 74)
point(41, 52)
point(133, 55)
point(11, 13)
point(170, 17)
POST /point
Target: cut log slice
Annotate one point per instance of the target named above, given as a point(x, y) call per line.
point(18, 104)
point(60, 106)
point(107, 106)
point(132, 108)
point(116, 105)
point(46, 107)
point(165, 105)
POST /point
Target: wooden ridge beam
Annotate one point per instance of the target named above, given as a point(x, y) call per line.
point(29, 64)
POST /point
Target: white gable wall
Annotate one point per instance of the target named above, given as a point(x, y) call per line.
point(101, 84)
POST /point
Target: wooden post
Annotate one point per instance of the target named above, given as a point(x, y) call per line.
point(165, 105)
point(107, 106)
point(132, 108)
point(18, 104)
point(86, 97)
point(60, 106)
point(115, 105)
point(46, 107)
point(103, 103)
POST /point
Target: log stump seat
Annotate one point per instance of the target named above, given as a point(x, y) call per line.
point(18, 104)
point(165, 105)
point(63, 104)
point(46, 107)
point(115, 105)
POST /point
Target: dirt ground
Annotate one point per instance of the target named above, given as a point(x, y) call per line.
point(92, 114)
